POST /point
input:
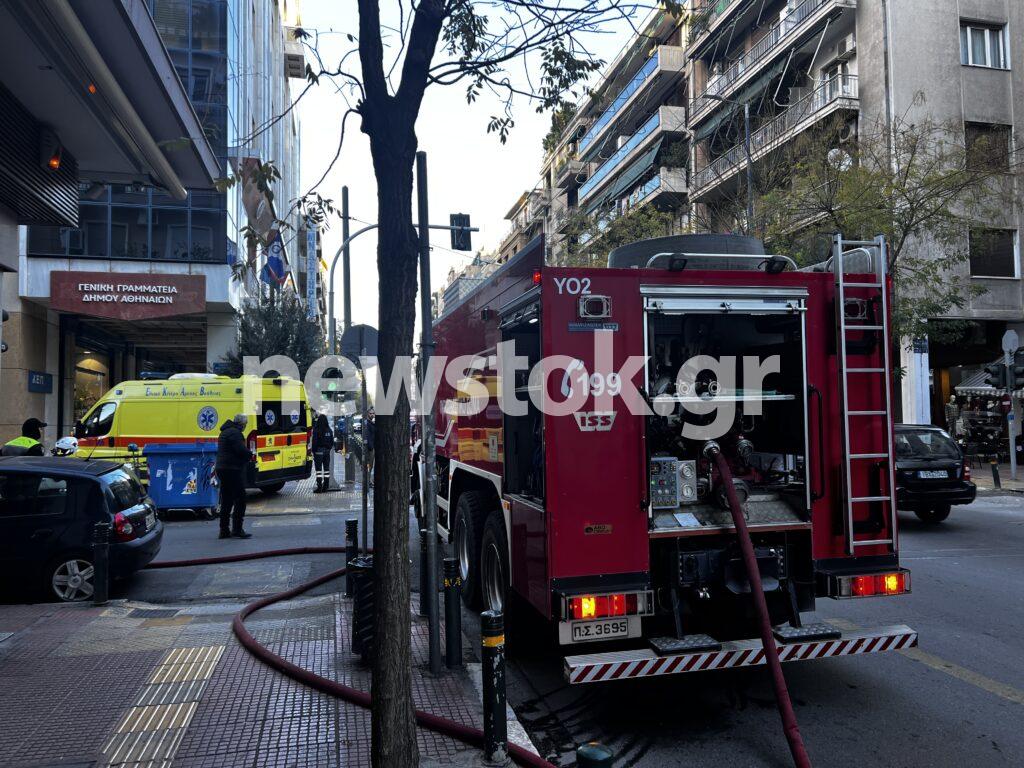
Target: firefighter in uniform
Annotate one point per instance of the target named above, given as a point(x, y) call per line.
point(29, 443)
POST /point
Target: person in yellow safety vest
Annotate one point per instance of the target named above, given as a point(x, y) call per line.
point(29, 443)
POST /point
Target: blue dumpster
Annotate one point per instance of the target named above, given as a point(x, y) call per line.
point(181, 475)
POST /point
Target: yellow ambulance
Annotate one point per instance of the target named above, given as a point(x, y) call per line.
point(191, 407)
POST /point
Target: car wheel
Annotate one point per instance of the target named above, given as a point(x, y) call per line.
point(934, 514)
point(494, 573)
point(467, 532)
point(270, 490)
point(70, 579)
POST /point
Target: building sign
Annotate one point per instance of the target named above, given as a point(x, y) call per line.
point(40, 382)
point(127, 296)
point(311, 270)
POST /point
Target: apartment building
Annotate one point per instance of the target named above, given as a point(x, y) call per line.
point(680, 87)
point(148, 281)
point(799, 63)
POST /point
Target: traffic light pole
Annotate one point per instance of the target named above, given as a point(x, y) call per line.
point(1008, 360)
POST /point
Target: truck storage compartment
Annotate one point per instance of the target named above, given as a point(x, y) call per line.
point(731, 370)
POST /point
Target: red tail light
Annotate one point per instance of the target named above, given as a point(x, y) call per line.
point(252, 445)
point(123, 528)
point(967, 471)
point(601, 606)
point(875, 584)
point(309, 441)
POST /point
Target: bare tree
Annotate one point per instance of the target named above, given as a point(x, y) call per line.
point(535, 52)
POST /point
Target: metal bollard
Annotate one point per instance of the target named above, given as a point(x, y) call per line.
point(452, 614)
point(492, 656)
point(100, 563)
point(995, 475)
point(424, 566)
point(594, 755)
point(351, 552)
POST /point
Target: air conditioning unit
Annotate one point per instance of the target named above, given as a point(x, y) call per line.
point(846, 48)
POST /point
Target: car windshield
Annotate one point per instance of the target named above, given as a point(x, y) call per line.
point(925, 444)
point(125, 487)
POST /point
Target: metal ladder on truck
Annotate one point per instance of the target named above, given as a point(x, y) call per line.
point(875, 252)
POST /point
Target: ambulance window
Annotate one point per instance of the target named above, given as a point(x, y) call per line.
point(100, 422)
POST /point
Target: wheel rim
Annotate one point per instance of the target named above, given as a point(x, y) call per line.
point(462, 549)
point(72, 580)
point(493, 578)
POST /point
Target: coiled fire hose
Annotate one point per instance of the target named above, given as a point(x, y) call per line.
point(771, 653)
point(464, 733)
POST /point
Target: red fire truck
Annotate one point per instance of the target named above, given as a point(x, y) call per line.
point(610, 519)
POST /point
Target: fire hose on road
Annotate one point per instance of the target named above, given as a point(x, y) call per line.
point(463, 733)
point(789, 724)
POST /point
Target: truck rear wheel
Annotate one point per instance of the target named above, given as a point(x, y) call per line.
point(467, 533)
point(494, 573)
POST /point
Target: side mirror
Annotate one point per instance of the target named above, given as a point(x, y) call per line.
point(133, 448)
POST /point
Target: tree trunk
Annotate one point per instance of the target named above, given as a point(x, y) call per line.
point(393, 725)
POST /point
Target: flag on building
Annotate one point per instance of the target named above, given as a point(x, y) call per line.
point(273, 271)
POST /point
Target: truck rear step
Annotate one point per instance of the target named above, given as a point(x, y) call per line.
point(622, 665)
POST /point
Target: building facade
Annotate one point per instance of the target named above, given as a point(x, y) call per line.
point(665, 125)
point(145, 282)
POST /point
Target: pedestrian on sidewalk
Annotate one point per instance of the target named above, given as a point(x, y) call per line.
point(232, 461)
point(323, 444)
point(29, 443)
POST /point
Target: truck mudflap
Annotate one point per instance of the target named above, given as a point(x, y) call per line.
point(623, 665)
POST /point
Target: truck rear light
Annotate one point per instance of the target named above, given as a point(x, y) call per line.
point(875, 584)
point(123, 528)
point(536, 277)
point(604, 606)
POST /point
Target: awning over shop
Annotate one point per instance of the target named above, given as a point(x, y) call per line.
point(976, 386)
point(628, 177)
point(98, 75)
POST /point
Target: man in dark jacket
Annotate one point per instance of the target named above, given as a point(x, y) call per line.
point(232, 460)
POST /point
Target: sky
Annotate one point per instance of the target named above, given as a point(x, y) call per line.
point(468, 170)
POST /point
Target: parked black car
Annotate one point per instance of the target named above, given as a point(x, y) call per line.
point(930, 472)
point(48, 509)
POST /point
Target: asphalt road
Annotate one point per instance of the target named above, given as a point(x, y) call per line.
point(957, 700)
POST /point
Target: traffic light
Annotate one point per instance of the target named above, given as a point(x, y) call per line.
point(995, 375)
point(462, 239)
point(1016, 373)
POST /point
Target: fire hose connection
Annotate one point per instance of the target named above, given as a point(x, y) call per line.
point(713, 451)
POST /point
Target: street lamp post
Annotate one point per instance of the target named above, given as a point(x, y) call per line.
point(750, 160)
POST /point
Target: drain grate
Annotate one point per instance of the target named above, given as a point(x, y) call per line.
point(153, 613)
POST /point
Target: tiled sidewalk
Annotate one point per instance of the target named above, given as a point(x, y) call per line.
point(135, 686)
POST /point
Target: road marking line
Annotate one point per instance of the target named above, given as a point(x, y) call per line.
point(978, 680)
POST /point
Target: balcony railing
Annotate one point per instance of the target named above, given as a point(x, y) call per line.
point(707, 14)
point(820, 99)
point(779, 33)
point(637, 81)
point(620, 154)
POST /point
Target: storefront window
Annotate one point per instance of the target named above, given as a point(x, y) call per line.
point(171, 17)
point(170, 234)
point(129, 232)
point(92, 380)
point(90, 239)
point(209, 25)
point(208, 236)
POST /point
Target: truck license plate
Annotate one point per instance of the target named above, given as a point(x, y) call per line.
point(602, 629)
point(932, 474)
